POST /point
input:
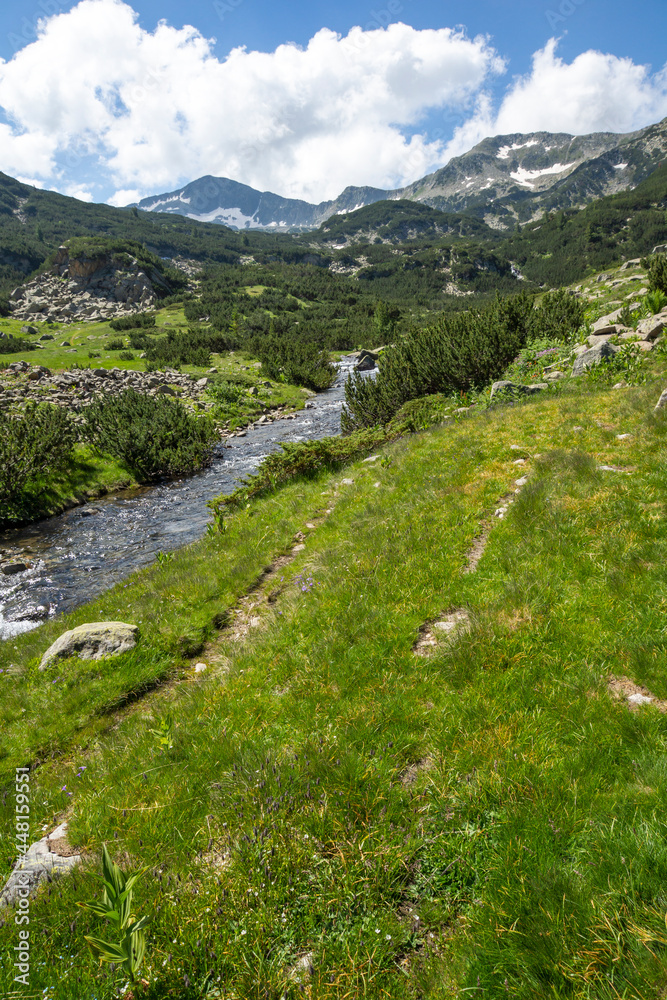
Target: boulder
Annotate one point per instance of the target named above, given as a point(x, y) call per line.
point(366, 364)
point(11, 568)
point(92, 642)
point(651, 327)
point(606, 324)
point(662, 401)
point(601, 352)
point(504, 387)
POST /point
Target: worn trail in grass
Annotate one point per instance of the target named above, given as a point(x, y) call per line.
point(325, 813)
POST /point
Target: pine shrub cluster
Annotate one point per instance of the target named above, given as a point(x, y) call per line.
point(457, 353)
point(138, 321)
point(656, 265)
point(191, 348)
point(153, 437)
point(37, 441)
point(298, 361)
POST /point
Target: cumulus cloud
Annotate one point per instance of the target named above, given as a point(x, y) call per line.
point(594, 93)
point(159, 107)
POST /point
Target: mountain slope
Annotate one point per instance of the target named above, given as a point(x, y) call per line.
point(34, 223)
point(519, 177)
point(398, 222)
point(503, 180)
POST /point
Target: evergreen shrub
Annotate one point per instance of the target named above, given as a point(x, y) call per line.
point(36, 441)
point(455, 354)
point(153, 437)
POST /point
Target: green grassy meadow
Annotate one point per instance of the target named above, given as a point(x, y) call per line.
point(323, 812)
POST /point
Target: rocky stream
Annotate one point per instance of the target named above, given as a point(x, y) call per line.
point(72, 558)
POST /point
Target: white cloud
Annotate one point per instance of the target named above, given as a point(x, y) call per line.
point(159, 107)
point(80, 191)
point(594, 93)
point(125, 196)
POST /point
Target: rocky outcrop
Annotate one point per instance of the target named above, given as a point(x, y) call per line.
point(87, 289)
point(92, 642)
point(77, 387)
point(45, 859)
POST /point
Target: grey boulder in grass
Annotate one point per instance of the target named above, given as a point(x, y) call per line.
point(516, 389)
point(92, 642)
point(601, 352)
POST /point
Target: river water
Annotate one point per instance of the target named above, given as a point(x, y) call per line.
point(77, 555)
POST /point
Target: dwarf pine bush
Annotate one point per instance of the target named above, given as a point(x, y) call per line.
point(559, 316)
point(455, 354)
point(191, 348)
point(38, 440)
point(656, 265)
point(153, 437)
point(299, 361)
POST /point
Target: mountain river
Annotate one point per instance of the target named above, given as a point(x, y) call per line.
point(77, 555)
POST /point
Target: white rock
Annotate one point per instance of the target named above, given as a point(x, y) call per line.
point(639, 699)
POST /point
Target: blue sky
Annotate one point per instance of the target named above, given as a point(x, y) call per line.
point(114, 100)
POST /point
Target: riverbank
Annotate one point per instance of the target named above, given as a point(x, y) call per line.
point(72, 557)
point(410, 766)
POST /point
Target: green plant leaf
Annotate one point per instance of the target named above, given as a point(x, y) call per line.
point(106, 951)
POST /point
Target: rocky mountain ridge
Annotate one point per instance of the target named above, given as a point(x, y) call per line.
point(502, 180)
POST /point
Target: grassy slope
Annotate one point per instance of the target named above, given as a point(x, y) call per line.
point(325, 787)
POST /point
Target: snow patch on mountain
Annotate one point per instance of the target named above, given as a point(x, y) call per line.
point(527, 177)
point(504, 151)
point(347, 211)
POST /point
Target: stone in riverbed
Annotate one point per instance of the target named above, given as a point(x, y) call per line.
point(92, 642)
point(10, 568)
